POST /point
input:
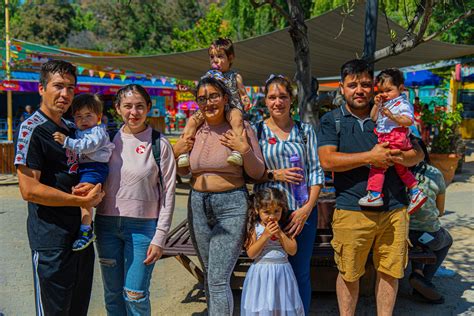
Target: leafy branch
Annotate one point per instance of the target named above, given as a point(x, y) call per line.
point(413, 38)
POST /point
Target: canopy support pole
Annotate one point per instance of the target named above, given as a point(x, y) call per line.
point(7, 70)
point(370, 36)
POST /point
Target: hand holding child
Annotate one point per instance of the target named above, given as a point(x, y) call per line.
point(235, 142)
point(59, 137)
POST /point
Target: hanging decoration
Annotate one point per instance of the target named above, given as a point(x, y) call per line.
point(123, 77)
point(101, 74)
point(80, 69)
point(112, 75)
point(91, 73)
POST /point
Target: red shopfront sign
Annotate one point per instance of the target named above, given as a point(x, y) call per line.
point(10, 85)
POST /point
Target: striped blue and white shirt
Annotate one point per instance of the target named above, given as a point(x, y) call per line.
point(277, 153)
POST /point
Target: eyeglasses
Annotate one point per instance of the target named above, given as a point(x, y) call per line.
point(213, 97)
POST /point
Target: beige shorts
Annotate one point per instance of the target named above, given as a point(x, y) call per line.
point(356, 232)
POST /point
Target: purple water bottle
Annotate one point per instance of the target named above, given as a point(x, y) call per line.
point(300, 191)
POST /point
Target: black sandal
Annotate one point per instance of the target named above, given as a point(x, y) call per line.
point(425, 289)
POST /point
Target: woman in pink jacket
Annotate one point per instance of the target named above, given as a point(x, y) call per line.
point(135, 216)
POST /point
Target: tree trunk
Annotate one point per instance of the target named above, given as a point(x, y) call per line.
point(370, 38)
point(307, 85)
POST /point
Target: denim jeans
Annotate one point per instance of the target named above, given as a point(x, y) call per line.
point(301, 261)
point(122, 244)
point(217, 227)
point(439, 245)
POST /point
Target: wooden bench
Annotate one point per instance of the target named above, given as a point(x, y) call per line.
point(323, 271)
point(7, 151)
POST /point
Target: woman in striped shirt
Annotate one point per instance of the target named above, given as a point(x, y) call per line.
point(279, 138)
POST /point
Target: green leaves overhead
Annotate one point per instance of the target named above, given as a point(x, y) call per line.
point(163, 26)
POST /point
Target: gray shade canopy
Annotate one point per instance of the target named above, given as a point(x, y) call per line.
point(260, 56)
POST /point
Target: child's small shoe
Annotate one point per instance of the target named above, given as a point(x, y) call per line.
point(417, 199)
point(235, 158)
point(86, 237)
point(372, 199)
point(183, 161)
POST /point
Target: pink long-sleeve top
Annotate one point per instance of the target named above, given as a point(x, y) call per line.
point(133, 186)
point(209, 157)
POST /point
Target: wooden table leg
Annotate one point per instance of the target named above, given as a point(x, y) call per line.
point(191, 267)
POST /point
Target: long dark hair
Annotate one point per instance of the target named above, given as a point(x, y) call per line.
point(421, 167)
point(261, 199)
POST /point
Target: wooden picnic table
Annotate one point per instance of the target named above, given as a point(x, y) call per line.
point(323, 273)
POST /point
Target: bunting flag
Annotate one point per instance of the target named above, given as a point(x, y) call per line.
point(123, 77)
point(163, 80)
point(101, 74)
point(80, 70)
point(153, 80)
point(112, 75)
point(248, 90)
point(91, 73)
point(255, 89)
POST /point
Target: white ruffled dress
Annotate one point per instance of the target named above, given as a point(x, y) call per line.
point(270, 287)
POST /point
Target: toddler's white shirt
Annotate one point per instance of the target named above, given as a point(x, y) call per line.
point(398, 106)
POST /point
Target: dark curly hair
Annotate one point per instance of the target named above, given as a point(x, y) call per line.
point(392, 75)
point(262, 199)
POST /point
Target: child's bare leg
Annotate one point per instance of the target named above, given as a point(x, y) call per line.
point(86, 216)
point(193, 124)
point(236, 121)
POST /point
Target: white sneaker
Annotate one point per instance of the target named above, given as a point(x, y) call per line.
point(371, 201)
point(235, 158)
point(416, 201)
point(183, 160)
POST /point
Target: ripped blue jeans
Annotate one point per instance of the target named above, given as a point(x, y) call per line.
point(122, 244)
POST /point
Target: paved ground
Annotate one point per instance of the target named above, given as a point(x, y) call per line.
point(174, 291)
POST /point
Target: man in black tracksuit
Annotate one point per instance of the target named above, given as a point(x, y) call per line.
point(47, 173)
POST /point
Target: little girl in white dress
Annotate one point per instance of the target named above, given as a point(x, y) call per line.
point(270, 287)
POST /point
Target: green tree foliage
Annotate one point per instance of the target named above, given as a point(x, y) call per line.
point(401, 11)
point(162, 26)
point(14, 4)
point(248, 21)
point(43, 21)
point(461, 33)
point(137, 27)
point(203, 31)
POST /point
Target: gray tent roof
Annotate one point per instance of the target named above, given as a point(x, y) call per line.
point(260, 56)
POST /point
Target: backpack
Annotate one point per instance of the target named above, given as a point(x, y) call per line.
point(303, 136)
point(337, 114)
point(155, 147)
point(297, 123)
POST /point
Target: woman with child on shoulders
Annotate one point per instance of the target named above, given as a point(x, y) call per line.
point(218, 202)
